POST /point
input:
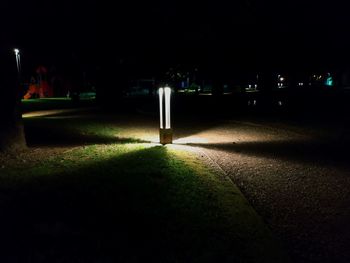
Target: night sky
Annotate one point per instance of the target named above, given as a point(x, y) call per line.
point(152, 34)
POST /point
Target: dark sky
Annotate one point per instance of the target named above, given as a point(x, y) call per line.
point(243, 33)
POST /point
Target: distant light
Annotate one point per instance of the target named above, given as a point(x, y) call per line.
point(281, 78)
point(329, 81)
point(18, 60)
point(254, 102)
point(256, 85)
point(280, 103)
point(250, 86)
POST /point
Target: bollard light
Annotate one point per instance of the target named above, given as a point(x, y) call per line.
point(165, 130)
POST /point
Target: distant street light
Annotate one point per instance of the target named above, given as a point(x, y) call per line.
point(18, 60)
point(165, 131)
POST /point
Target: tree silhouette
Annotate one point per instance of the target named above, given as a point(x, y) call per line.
point(11, 128)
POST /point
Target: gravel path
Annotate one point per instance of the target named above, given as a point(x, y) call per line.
point(297, 181)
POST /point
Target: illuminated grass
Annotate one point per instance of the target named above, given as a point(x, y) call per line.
point(53, 103)
point(72, 131)
point(131, 202)
point(112, 199)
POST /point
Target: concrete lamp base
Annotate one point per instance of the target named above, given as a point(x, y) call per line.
point(166, 136)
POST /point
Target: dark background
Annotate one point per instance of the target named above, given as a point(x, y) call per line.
point(150, 36)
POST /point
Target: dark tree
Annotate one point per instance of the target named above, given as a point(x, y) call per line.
point(12, 137)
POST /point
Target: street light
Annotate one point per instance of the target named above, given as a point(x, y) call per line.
point(165, 131)
point(18, 60)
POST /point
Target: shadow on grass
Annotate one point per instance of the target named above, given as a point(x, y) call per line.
point(54, 103)
point(299, 151)
point(140, 206)
point(72, 132)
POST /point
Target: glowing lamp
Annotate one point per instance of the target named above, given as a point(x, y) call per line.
point(18, 59)
point(165, 131)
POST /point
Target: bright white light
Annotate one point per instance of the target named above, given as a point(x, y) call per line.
point(191, 140)
point(164, 104)
point(18, 59)
point(281, 78)
point(161, 92)
point(167, 92)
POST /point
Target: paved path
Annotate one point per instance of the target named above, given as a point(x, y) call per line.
point(297, 179)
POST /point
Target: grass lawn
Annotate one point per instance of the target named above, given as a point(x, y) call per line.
point(54, 103)
point(122, 200)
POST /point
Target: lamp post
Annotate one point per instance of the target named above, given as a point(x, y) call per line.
point(165, 130)
point(18, 60)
